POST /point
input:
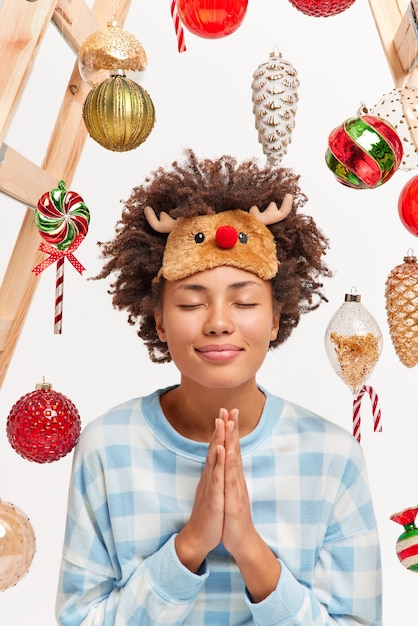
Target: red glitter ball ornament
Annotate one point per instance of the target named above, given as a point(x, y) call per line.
point(321, 8)
point(43, 425)
point(408, 206)
point(212, 18)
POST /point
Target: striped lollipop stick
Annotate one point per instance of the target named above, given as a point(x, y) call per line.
point(62, 220)
point(374, 399)
point(181, 44)
point(59, 295)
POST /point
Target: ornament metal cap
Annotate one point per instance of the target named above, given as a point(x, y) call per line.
point(43, 386)
point(410, 257)
point(352, 297)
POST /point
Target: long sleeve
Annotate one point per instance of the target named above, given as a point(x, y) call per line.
point(104, 579)
point(335, 549)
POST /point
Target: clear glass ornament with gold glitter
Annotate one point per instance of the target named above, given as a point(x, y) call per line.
point(353, 342)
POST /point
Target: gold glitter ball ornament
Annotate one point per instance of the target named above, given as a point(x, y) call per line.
point(109, 50)
point(402, 309)
point(119, 114)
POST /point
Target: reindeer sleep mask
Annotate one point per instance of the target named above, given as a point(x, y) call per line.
point(237, 238)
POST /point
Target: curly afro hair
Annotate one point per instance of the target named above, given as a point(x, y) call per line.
point(203, 187)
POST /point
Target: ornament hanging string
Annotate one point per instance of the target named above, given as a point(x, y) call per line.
point(59, 256)
point(374, 399)
point(181, 44)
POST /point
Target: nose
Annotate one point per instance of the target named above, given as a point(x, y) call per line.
point(226, 237)
point(219, 321)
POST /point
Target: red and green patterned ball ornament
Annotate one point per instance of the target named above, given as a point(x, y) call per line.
point(408, 206)
point(407, 544)
point(43, 425)
point(321, 8)
point(364, 152)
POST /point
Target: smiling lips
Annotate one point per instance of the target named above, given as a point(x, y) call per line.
point(219, 352)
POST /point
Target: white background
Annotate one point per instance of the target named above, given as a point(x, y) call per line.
point(203, 100)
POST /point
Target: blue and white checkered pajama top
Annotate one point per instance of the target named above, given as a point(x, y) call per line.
point(132, 489)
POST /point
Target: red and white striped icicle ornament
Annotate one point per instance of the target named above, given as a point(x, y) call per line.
point(374, 399)
point(181, 44)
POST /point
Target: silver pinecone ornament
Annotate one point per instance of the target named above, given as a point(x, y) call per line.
point(275, 98)
point(402, 309)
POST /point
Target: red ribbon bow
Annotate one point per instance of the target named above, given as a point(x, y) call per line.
point(56, 255)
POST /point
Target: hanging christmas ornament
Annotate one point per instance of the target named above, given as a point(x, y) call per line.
point(178, 26)
point(364, 152)
point(43, 425)
point(119, 114)
point(353, 343)
point(17, 545)
point(402, 309)
point(407, 544)
point(399, 107)
point(62, 219)
point(275, 84)
point(408, 206)
point(212, 19)
point(321, 8)
point(109, 50)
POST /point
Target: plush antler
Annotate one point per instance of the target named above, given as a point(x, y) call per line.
point(163, 224)
point(273, 215)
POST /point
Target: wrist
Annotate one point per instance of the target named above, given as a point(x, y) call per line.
point(189, 551)
point(259, 567)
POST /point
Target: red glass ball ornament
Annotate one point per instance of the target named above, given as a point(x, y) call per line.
point(364, 152)
point(321, 8)
point(43, 425)
point(212, 18)
point(408, 206)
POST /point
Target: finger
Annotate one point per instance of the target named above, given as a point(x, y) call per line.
point(232, 433)
point(223, 415)
point(218, 439)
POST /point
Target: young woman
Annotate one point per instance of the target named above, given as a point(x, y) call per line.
point(214, 501)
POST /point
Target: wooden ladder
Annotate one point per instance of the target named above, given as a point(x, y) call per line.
point(23, 25)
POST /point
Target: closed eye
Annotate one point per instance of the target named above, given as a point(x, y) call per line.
point(190, 306)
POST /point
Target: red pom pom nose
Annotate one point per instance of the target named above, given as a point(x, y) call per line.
point(226, 237)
